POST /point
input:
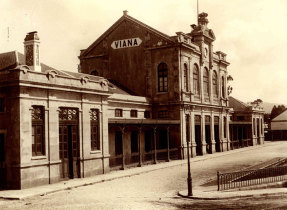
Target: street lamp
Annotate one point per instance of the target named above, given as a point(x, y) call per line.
point(189, 179)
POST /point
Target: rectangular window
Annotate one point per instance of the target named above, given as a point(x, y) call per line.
point(2, 105)
point(38, 140)
point(163, 114)
point(134, 113)
point(118, 112)
point(147, 114)
point(95, 139)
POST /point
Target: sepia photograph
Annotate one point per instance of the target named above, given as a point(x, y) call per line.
point(152, 104)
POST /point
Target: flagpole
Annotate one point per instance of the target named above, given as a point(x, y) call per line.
point(197, 13)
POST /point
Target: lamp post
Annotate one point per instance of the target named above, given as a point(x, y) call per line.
point(189, 179)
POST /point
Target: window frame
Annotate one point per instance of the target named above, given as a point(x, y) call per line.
point(195, 74)
point(162, 74)
point(134, 113)
point(163, 114)
point(38, 122)
point(118, 113)
point(215, 84)
point(147, 114)
point(206, 82)
point(185, 77)
point(223, 87)
point(94, 125)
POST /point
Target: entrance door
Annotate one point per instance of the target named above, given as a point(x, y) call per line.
point(240, 136)
point(216, 137)
point(198, 140)
point(69, 151)
point(2, 162)
point(208, 139)
point(118, 143)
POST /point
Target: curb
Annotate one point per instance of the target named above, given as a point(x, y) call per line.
point(132, 173)
point(227, 195)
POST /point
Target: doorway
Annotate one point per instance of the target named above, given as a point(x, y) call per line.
point(69, 146)
point(198, 140)
point(207, 139)
point(216, 137)
point(2, 162)
point(69, 151)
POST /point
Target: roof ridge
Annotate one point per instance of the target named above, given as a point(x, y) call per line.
point(149, 27)
point(244, 104)
point(112, 27)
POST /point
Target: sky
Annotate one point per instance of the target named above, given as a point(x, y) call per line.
point(252, 33)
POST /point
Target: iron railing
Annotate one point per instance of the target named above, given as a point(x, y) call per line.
point(246, 178)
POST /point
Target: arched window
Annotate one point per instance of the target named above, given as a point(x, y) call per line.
point(195, 80)
point(162, 77)
point(215, 84)
point(223, 87)
point(95, 73)
point(206, 82)
point(185, 77)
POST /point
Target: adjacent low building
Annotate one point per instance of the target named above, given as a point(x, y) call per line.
point(246, 124)
point(279, 127)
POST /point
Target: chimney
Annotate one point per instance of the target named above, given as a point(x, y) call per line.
point(202, 19)
point(125, 12)
point(31, 49)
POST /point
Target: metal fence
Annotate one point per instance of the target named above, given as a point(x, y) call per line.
point(240, 179)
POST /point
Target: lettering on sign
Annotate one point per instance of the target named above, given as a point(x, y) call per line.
point(132, 42)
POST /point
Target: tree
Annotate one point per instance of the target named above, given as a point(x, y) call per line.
point(257, 102)
point(276, 110)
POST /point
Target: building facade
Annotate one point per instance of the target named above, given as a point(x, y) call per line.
point(140, 96)
point(182, 76)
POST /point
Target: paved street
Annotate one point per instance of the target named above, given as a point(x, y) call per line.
point(158, 189)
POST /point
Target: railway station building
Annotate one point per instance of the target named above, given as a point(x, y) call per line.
point(139, 97)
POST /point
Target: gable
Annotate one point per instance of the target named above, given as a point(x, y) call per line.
point(281, 117)
point(123, 32)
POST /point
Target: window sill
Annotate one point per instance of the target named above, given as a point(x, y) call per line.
point(160, 93)
point(38, 157)
point(95, 152)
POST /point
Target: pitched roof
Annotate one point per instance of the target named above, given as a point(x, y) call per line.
point(8, 59)
point(14, 58)
point(116, 24)
point(116, 87)
point(281, 117)
point(238, 105)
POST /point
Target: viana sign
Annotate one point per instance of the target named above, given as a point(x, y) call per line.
point(125, 43)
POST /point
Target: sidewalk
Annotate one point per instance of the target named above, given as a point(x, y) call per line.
point(218, 195)
point(74, 183)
